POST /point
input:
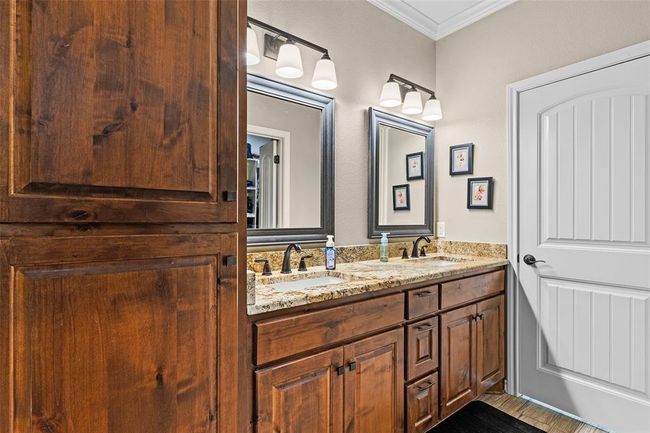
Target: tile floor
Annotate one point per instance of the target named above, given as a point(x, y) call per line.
point(536, 415)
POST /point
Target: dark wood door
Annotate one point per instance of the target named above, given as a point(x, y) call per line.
point(458, 348)
point(490, 350)
point(374, 384)
point(119, 111)
point(422, 347)
point(118, 334)
point(422, 404)
point(302, 396)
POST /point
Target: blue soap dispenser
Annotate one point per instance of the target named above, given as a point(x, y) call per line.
point(330, 253)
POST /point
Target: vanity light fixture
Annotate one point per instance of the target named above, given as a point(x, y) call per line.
point(252, 48)
point(395, 87)
point(412, 102)
point(282, 47)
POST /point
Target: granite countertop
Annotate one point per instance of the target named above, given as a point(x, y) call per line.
point(354, 278)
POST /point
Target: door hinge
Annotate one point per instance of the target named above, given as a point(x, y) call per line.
point(276, 159)
point(230, 260)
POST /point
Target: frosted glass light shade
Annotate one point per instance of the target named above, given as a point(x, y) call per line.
point(412, 103)
point(432, 110)
point(289, 63)
point(390, 95)
point(324, 75)
point(252, 48)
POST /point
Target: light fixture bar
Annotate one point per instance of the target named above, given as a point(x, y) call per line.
point(289, 36)
point(406, 82)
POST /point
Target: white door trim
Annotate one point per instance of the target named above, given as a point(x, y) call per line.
point(284, 195)
point(513, 90)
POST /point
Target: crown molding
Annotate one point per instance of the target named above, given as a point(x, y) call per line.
point(408, 15)
point(470, 16)
point(423, 24)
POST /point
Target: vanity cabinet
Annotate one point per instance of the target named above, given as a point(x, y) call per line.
point(472, 350)
point(352, 388)
point(388, 363)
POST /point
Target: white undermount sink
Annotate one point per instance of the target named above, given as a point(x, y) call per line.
point(306, 283)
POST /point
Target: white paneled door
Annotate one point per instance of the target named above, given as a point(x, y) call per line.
point(584, 209)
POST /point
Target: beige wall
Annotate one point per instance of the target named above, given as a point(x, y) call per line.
point(367, 45)
point(473, 67)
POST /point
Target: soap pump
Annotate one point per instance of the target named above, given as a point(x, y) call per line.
point(330, 254)
point(383, 247)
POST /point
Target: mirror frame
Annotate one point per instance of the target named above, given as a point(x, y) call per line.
point(375, 119)
point(268, 236)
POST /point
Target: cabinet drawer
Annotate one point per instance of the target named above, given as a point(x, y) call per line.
point(422, 346)
point(286, 336)
point(466, 290)
point(422, 404)
point(422, 301)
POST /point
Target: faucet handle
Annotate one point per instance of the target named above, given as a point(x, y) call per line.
point(267, 266)
point(423, 251)
point(302, 266)
point(405, 254)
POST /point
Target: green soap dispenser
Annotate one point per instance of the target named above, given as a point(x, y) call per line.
point(383, 247)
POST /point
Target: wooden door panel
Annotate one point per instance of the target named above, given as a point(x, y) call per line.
point(422, 404)
point(301, 396)
point(457, 370)
point(119, 344)
point(374, 393)
point(490, 349)
point(422, 347)
point(115, 111)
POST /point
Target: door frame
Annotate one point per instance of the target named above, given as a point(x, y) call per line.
point(513, 90)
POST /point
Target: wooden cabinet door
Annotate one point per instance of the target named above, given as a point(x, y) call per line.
point(118, 334)
point(458, 348)
point(374, 384)
point(119, 111)
point(490, 350)
point(422, 347)
point(422, 404)
point(302, 396)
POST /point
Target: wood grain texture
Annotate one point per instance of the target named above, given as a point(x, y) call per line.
point(125, 343)
point(422, 404)
point(286, 336)
point(121, 111)
point(423, 301)
point(490, 343)
point(536, 415)
point(302, 396)
point(458, 359)
point(465, 290)
point(422, 347)
point(374, 389)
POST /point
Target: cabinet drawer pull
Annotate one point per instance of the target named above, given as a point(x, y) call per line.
point(426, 293)
point(340, 370)
point(352, 366)
point(425, 386)
point(424, 327)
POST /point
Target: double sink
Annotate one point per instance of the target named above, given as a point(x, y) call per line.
point(364, 270)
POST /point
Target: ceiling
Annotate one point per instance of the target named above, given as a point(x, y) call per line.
point(439, 18)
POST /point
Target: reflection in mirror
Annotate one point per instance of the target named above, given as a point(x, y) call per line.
point(290, 163)
point(401, 180)
point(400, 189)
point(283, 163)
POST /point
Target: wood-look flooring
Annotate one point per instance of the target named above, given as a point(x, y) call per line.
point(536, 415)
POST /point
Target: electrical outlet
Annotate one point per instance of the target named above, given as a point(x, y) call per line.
point(440, 229)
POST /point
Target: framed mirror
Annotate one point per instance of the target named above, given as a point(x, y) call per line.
point(400, 188)
point(289, 163)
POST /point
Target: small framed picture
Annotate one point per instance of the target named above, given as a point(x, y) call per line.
point(479, 193)
point(414, 170)
point(461, 159)
point(401, 197)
